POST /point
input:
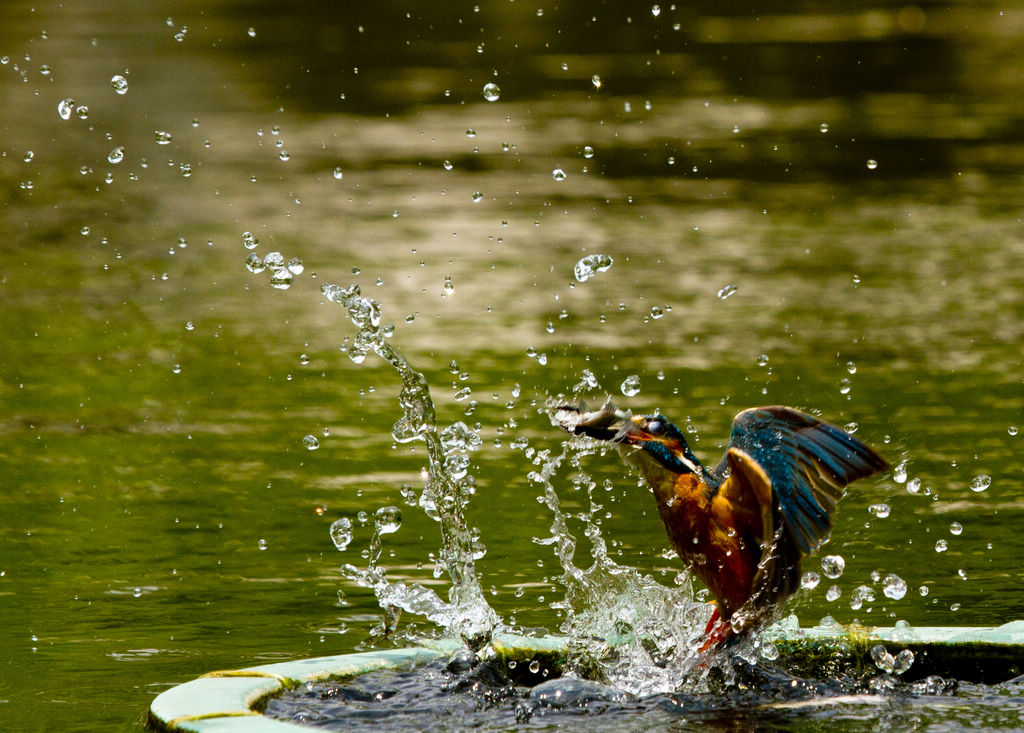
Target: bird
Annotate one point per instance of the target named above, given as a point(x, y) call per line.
point(744, 525)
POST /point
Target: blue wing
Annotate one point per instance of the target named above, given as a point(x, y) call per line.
point(808, 462)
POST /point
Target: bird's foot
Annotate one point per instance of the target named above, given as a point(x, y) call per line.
point(718, 631)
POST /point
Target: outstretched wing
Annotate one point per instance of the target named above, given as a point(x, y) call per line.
point(807, 462)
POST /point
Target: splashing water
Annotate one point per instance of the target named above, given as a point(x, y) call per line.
point(623, 626)
point(466, 614)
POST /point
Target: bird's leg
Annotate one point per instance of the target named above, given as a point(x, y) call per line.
point(715, 616)
point(717, 631)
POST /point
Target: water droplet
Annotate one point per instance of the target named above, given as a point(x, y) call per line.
point(727, 291)
point(477, 197)
point(631, 385)
point(924, 590)
point(341, 532)
point(883, 659)
point(810, 580)
point(254, 263)
point(832, 566)
point(162, 137)
point(980, 482)
point(1012, 430)
point(596, 81)
point(879, 510)
point(310, 441)
point(262, 544)
point(833, 593)
point(558, 174)
point(491, 92)
point(899, 474)
point(903, 661)
point(762, 360)
point(116, 155)
point(844, 386)
point(872, 164)
point(284, 155)
point(894, 587)
point(189, 326)
point(28, 156)
point(251, 32)
point(941, 546)
point(281, 279)
point(82, 112)
point(470, 132)
point(274, 260)
point(66, 108)
point(249, 241)
point(338, 173)
point(956, 529)
point(387, 519)
point(295, 266)
point(588, 152)
point(823, 127)
point(769, 651)
point(119, 83)
point(85, 230)
point(861, 594)
point(458, 437)
point(851, 367)
point(590, 265)
point(656, 312)
point(136, 593)
point(535, 666)
point(176, 369)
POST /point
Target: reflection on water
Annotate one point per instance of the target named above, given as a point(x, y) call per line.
point(817, 210)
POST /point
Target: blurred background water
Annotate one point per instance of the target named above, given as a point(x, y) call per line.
point(821, 210)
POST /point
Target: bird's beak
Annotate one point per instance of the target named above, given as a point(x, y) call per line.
point(609, 423)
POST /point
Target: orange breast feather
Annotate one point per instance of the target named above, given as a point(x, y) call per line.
point(719, 537)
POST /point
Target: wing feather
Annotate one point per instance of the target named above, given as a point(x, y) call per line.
point(808, 463)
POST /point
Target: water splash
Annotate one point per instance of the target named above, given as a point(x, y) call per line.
point(466, 613)
point(624, 627)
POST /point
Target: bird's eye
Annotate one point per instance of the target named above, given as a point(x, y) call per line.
point(655, 427)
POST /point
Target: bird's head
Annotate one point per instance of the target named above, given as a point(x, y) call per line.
point(658, 439)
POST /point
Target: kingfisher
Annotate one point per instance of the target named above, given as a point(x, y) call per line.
point(744, 525)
